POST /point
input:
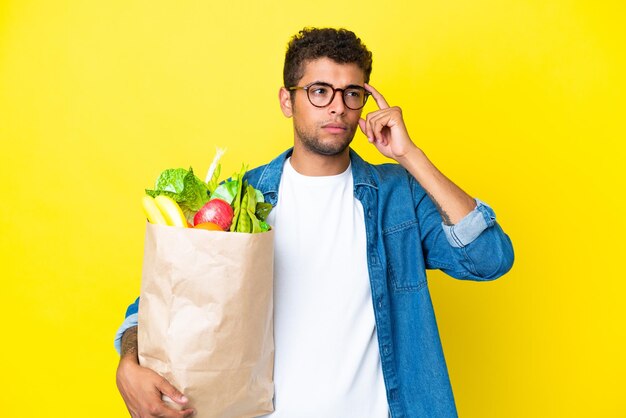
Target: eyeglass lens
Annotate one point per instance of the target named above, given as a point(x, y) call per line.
point(322, 95)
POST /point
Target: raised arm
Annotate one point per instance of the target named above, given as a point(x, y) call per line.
point(459, 233)
point(385, 129)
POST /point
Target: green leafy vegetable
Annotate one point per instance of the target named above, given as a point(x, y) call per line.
point(238, 197)
point(212, 184)
point(244, 224)
point(263, 209)
point(264, 226)
point(213, 175)
point(226, 191)
point(259, 196)
point(251, 208)
point(184, 187)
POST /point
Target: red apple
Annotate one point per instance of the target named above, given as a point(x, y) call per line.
point(217, 211)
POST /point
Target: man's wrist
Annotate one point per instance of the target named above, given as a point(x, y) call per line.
point(412, 159)
point(129, 359)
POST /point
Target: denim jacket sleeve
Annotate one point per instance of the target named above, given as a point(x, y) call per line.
point(476, 248)
point(129, 322)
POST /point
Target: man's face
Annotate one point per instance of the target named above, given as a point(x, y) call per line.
point(328, 130)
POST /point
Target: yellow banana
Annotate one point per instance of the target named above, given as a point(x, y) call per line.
point(171, 211)
point(153, 213)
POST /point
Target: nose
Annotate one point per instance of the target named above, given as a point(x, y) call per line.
point(337, 106)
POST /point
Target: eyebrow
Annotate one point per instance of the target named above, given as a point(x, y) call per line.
point(329, 84)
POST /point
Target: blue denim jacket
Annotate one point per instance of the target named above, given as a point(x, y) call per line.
point(406, 236)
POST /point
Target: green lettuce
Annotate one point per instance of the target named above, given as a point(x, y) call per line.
point(190, 192)
point(226, 191)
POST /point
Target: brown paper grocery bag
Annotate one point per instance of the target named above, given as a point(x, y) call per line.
point(205, 317)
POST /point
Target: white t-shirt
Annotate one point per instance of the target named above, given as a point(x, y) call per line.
point(327, 359)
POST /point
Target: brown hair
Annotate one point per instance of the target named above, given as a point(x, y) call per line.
point(340, 45)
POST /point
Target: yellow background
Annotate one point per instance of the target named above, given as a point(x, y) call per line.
point(521, 103)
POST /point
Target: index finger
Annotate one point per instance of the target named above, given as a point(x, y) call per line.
point(380, 100)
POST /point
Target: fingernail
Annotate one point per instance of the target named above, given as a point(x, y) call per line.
point(184, 399)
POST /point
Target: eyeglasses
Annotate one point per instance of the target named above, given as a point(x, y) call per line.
point(322, 94)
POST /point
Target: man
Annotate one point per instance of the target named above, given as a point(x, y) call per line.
point(355, 331)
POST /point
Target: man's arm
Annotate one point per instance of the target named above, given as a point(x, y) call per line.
point(452, 203)
point(141, 388)
point(468, 244)
point(129, 344)
point(385, 128)
point(476, 248)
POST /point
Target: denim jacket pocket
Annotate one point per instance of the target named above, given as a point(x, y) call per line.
point(405, 260)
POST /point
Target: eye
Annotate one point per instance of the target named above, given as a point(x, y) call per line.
point(319, 90)
point(356, 93)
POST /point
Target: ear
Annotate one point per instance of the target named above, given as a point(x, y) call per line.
point(285, 102)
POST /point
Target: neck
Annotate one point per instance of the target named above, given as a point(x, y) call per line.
point(309, 163)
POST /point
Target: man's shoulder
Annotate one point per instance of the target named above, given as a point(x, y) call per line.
point(394, 184)
point(389, 169)
point(383, 173)
point(392, 177)
point(254, 174)
point(266, 177)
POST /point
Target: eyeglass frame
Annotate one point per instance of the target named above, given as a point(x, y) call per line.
point(335, 90)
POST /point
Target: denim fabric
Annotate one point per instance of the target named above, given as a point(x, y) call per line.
point(406, 236)
point(470, 226)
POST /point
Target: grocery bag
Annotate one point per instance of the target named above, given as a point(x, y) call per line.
point(206, 318)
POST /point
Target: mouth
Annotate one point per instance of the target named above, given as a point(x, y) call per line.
point(335, 128)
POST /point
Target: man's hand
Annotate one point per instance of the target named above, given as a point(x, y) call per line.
point(385, 128)
point(142, 388)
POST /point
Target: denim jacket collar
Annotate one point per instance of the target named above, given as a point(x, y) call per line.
point(269, 181)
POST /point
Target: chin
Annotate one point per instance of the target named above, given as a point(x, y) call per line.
point(329, 147)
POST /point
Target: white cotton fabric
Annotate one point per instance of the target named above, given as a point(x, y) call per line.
point(327, 358)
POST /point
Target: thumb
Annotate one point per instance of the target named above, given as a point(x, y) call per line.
point(171, 392)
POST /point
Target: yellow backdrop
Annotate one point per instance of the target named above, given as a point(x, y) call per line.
point(521, 103)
